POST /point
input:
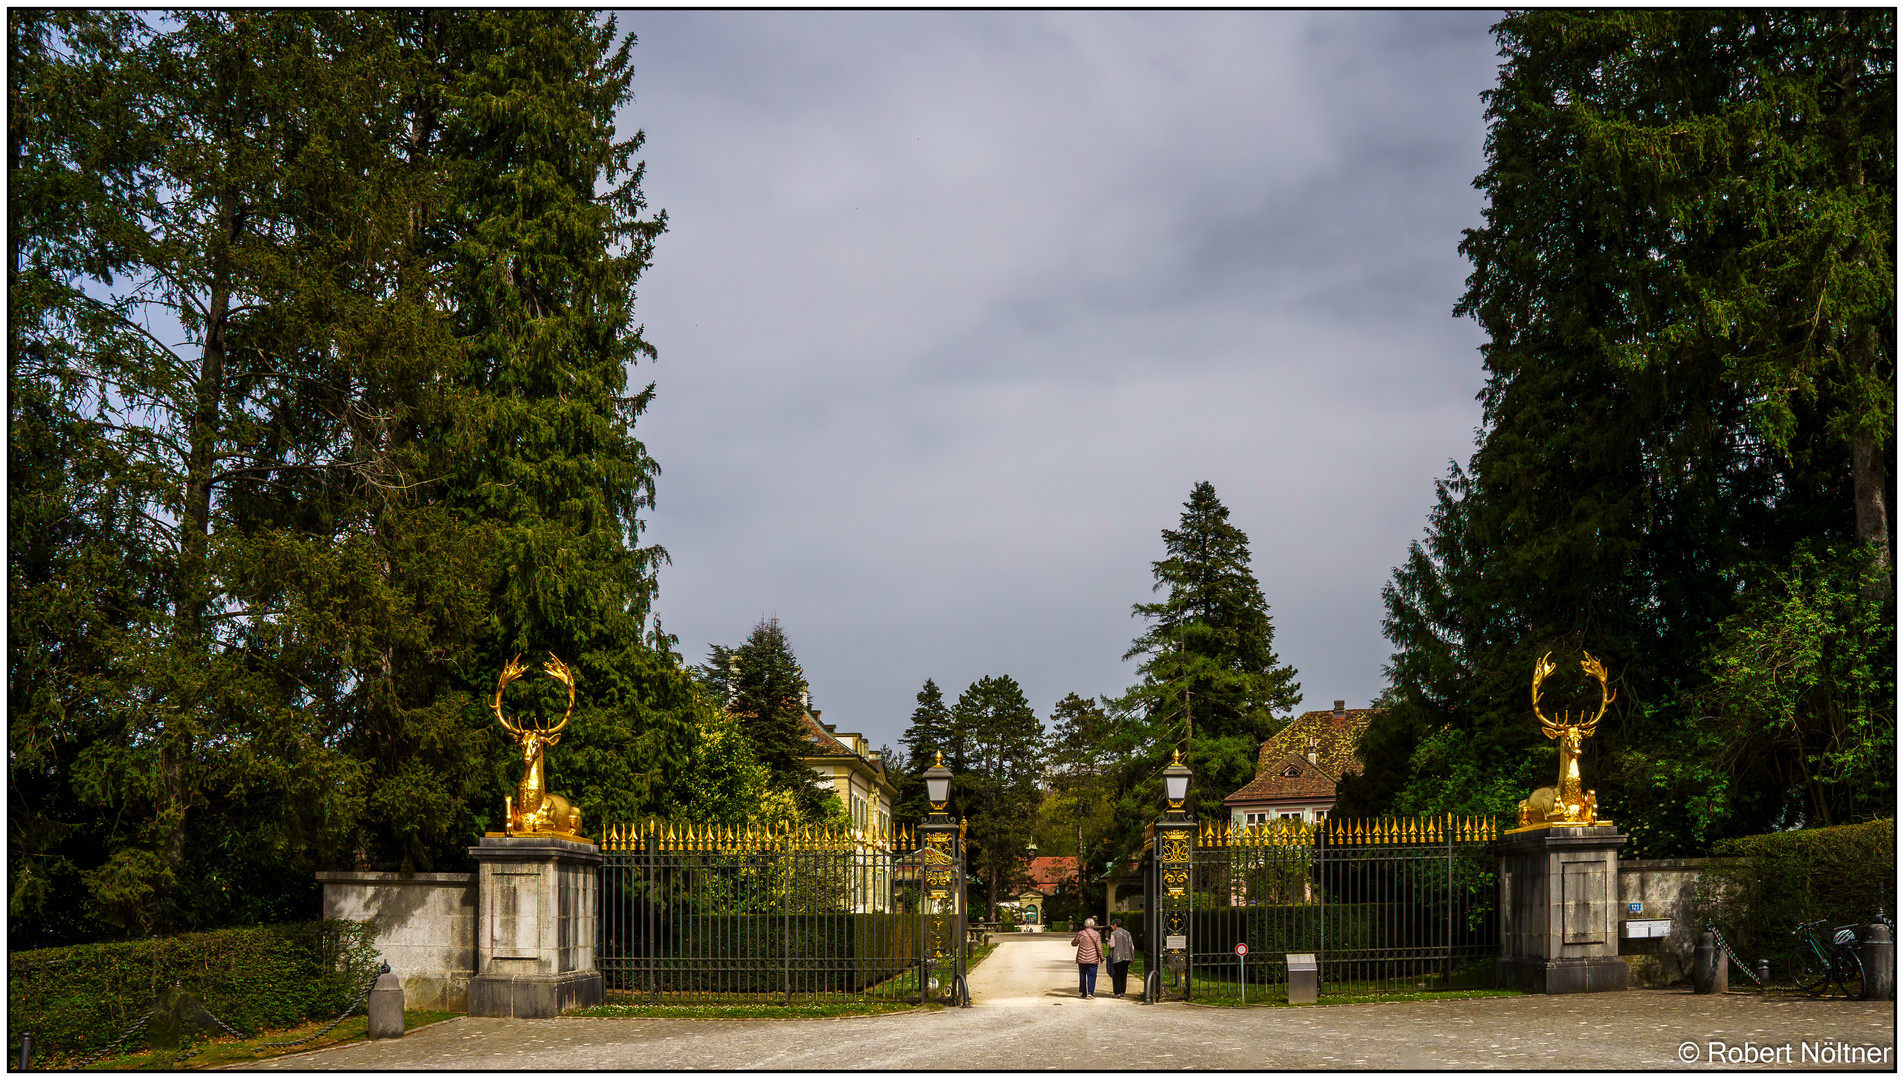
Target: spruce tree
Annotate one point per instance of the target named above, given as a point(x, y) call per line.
point(545, 240)
point(925, 735)
point(1212, 684)
point(762, 684)
point(996, 788)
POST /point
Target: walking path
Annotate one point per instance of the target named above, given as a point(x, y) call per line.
point(1037, 969)
point(1027, 1015)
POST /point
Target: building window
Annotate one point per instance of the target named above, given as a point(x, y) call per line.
point(1295, 814)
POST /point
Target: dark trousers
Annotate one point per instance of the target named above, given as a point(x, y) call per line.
point(1119, 969)
point(1087, 978)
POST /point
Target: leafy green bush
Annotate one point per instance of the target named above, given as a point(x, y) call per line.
point(1758, 888)
point(77, 998)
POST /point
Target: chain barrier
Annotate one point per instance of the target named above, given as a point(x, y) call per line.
point(1736, 962)
point(382, 970)
point(123, 1036)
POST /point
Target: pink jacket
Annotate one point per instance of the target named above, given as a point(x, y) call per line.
point(1090, 946)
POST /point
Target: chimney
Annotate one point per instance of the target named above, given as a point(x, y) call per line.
point(1340, 710)
point(1311, 755)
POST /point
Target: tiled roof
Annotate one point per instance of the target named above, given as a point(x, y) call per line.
point(823, 740)
point(1333, 737)
point(1053, 869)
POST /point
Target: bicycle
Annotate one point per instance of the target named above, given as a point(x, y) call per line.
point(1817, 963)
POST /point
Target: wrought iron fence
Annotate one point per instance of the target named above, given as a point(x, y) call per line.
point(705, 914)
point(1386, 906)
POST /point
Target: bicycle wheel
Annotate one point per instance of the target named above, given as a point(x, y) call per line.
point(1809, 971)
point(1848, 971)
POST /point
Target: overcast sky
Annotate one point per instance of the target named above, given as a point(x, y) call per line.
point(954, 309)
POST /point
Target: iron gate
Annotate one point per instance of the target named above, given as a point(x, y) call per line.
point(707, 914)
point(1386, 906)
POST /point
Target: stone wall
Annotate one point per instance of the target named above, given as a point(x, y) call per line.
point(1664, 890)
point(426, 928)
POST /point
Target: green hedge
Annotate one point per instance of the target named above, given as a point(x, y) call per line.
point(1758, 888)
point(75, 999)
point(761, 954)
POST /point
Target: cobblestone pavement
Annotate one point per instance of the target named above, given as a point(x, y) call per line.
point(1027, 1016)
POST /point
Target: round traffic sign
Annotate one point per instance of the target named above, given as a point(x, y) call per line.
point(1242, 949)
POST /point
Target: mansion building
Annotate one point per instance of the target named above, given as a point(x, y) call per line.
point(1298, 768)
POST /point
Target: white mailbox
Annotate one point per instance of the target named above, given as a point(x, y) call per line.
point(1638, 928)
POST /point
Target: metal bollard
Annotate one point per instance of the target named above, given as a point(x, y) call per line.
point(1879, 957)
point(1709, 974)
point(26, 1049)
point(1765, 974)
point(386, 1007)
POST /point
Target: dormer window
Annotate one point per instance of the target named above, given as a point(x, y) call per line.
point(1292, 772)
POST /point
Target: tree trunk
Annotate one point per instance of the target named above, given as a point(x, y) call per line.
point(1867, 495)
point(192, 589)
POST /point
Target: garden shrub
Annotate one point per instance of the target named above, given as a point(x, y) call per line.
point(76, 999)
point(1759, 888)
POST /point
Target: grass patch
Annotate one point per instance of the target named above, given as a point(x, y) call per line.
point(751, 1011)
point(977, 953)
point(225, 1050)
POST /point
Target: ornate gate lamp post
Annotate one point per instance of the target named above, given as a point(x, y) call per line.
point(1174, 835)
point(942, 867)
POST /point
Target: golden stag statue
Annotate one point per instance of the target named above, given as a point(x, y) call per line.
point(1565, 803)
point(534, 810)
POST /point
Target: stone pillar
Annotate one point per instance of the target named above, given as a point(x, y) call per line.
point(1710, 972)
point(1880, 963)
point(1559, 908)
point(538, 899)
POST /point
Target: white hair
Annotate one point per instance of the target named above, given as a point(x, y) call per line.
point(1088, 923)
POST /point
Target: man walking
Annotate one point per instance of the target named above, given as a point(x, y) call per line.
point(1090, 953)
point(1122, 951)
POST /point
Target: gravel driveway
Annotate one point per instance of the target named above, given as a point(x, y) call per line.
point(1027, 1015)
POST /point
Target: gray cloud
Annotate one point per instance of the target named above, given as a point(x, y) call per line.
point(954, 308)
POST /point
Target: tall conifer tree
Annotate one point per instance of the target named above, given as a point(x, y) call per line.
point(763, 685)
point(996, 787)
point(1212, 684)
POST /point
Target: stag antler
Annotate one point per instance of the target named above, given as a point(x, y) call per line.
point(1543, 668)
point(556, 669)
point(511, 671)
point(1596, 670)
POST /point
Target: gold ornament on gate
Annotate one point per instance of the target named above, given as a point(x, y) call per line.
point(1566, 803)
point(535, 811)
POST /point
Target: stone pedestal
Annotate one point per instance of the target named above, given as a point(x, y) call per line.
point(537, 911)
point(1559, 904)
point(386, 1007)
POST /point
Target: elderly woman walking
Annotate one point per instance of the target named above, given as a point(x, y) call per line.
point(1090, 954)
